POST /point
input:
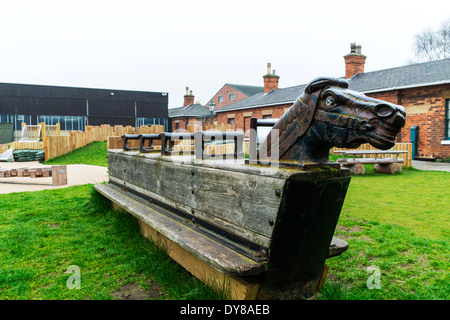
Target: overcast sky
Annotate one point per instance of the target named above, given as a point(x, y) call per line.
point(167, 45)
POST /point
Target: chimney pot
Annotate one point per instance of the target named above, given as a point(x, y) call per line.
point(188, 98)
point(270, 80)
point(354, 61)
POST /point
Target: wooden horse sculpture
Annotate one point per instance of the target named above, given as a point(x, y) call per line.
point(329, 115)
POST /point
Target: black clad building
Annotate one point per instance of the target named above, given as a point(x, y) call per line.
point(74, 108)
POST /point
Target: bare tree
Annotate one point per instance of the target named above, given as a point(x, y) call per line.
point(433, 45)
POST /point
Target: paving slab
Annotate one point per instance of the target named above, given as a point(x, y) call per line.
point(77, 174)
point(431, 166)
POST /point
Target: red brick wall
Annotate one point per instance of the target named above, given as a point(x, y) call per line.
point(424, 107)
point(188, 100)
point(354, 64)
point(270, 82)
point(182, 123)
point(225, 92)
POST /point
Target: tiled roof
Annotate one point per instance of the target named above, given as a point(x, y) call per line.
point(418, 74)
point(247, 90)
point(192, 110)
point(285, 95)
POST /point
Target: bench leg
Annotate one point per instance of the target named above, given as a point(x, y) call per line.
point(356, 168)
point(389, 168)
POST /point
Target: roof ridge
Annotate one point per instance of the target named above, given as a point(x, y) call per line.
point(242, 87)
point(404, 66)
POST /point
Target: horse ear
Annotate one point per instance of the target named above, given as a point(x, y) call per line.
point(320, 83)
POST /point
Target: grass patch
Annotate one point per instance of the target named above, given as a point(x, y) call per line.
point(399, 223)
point(43, 233)
point(91, 154)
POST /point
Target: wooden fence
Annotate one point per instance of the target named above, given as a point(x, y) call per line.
point(55, 146)
point(407, 157)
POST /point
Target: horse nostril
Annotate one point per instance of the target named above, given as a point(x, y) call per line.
point(399, 120)
point(384, 110)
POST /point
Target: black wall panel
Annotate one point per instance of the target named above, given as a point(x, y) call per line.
point(102, 106)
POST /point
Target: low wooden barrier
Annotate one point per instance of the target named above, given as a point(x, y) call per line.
point(58, 173)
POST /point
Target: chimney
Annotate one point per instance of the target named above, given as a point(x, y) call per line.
point(354, 61)
point(270, 79)
point(188, 98)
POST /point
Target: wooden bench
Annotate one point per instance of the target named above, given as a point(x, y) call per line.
point(383, 164)
point(260, 232)
point(58, 173)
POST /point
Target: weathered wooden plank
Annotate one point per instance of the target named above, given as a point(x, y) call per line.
point(32, 173)
point(252, 200)
point(46, 172)
point(370, 160)
point(59, 175)
point(38, 172)
point(23, 172)
point(4, 173)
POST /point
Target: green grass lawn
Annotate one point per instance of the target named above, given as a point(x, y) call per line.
point(398, 223)
point(43, 233)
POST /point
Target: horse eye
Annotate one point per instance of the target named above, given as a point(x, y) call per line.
point(329, 101)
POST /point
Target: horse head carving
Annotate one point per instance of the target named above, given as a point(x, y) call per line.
point(326, 115)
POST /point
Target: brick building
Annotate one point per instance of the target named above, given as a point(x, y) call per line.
point(231, 93)
point(190, 112)
point(422, 88)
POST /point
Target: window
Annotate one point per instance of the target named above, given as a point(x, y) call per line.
point(267, 116)
point(230, 120)
point(16, 120)
point(69, 123)
point(232, 97)
point(149, 121)
point(447, 119)
point(220, 98)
